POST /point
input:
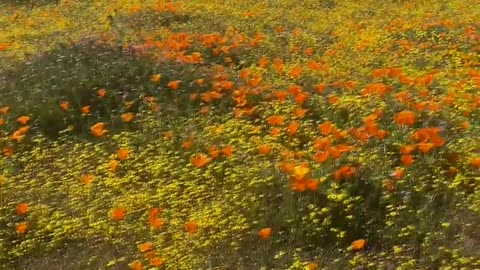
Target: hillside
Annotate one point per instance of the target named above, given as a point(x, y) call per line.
point(275, 134)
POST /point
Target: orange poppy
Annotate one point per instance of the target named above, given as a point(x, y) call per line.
point(85, 109)
point(275, 120)
point(24, 130)
point(344, 148)
point(296, 72)
point(157, 261)
point(312, 266)
point(279, 29)
point(22, 208)
point(407, 160)
point(398, 173)
point(320, 88)
point(312, 184)
point(280, 95)
point(227, 85)
point(241, 100)
point(299, 112)
point(437, 141)
point(136, 265)
point(255, 81)
point(345, 171)
point(278, 65)
point(275, 131)
point(146, 247)
point(150, 99)
point(332, 99)
point(405, 118)
point(127, 117)
point(296, 32)
point(113, 165)
point(382, 134)
point(293, 127)
point(286, 167)
point(156, 222)
point(213, 152)
point(98, 130)
point(191, 227)
point(2, 121)
point(295, 90)
point(299, 185)
point(4, 110)
point(102, 92)
point(301, 98)
point(23, 119)
point(187, 144)
point(326, 128)
point(265, 233)
point(65, 105)
point(300, 171)
point(358, 244)
point(264, 149)
point(204, 109)
point(8, 151)
point(200, 160)
point(312, 65)
point(227, 150)
point(118, 213)
point(407, 149)
point(334, 152)
point(371, 128)
point(379, 89)
point(154, 212)
point(123, 154)
point(475, 162)
point(420, 106)
point(370, 118)
point(263, 62)
point(244, 74)
point(465, 125)
point(321, 156)
point(155, 78)
point(424, 134)
point(321, 143)
point(21, 228)
point(200, 81)
point(87, 179)
point(17, 136)
point(174, 85)
point(425, 147)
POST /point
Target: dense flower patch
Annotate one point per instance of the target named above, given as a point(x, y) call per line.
point(260, 135)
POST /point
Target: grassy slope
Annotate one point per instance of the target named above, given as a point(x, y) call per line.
point(66, 52)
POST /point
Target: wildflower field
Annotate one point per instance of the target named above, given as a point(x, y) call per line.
point(272, 134)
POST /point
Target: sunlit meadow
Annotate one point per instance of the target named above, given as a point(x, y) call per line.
point(273, 134)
